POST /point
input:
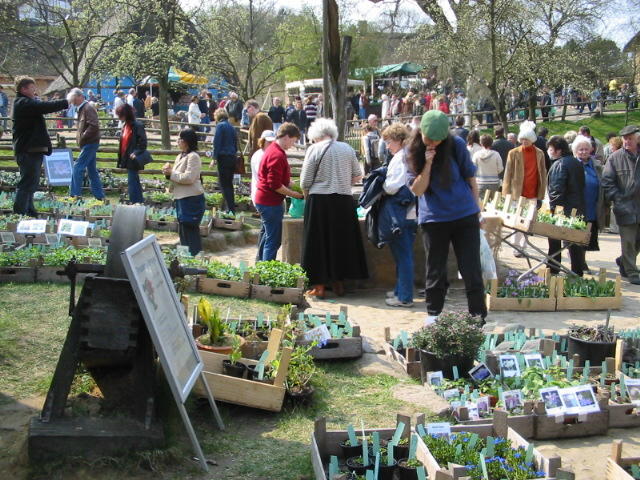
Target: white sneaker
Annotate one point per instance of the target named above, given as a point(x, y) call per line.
point(394, 302)
point(390, 294)
point(430, 320)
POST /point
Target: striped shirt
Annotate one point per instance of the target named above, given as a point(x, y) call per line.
point(311, 111)
point(336, 171)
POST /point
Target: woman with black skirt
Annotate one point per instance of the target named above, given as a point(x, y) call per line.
point(332, 249)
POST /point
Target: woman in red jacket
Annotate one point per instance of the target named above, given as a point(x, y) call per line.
point(274, 178)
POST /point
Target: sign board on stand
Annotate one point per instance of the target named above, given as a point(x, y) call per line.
point(72, 228)
point(58, 167)
point(32, 227)
point(164, 316)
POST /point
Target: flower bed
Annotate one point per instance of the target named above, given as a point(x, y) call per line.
point(531, 293)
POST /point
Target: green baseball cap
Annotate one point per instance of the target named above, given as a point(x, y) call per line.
point(435, 125)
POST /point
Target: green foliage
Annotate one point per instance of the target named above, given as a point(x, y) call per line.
point(588, 287)
point(214, 199)
point(453, 334)
point(20, 258)
point(301, 369)
point(159, 197)
point(223, 271)
point(236, 353)
point(278, 274)
point(559, 220)
point(210, 316)
point(60, 257)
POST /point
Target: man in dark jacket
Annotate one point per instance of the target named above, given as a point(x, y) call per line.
point(88, 139)
point(501, 145)
point(31, 141)
point(541, 143)
point(621, 184)
point(138, 105)
point(234, 108)
point(459, 129)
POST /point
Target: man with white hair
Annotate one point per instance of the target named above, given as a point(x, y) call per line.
point(386, 107)
point(131, 96)
point(621, 184)
point(88, 139)
point(234, 108)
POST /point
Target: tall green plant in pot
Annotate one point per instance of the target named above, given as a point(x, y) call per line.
point(301, 371)
point(218, 338)
point(453, 340)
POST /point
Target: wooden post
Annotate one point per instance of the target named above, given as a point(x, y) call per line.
point(387, 334)
point(616, 451)
point(320, 432)
point(619, 353)
point(407, 425)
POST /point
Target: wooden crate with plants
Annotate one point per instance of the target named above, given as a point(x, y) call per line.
point(336, 453)
point(399, 351)
point(471, 450)
point(619, 467)
point(224, 279)
point(583, 293)
point(534, 292)
point(557, 225)
point(345, 341)
point(226, 221)
point(279, 282)
point(19, 265)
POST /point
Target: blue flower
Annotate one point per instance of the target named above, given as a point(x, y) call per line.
point(517, 455)
point(465, 439)
point(540, 473)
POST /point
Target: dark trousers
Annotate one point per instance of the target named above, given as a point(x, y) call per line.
point(30, 165)
point(576, 254)
point(226, 169)
point(464, 234)
point(630, 243)
point(190, 236)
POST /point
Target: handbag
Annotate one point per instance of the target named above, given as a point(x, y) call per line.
point(142, 158)
point(240, 168)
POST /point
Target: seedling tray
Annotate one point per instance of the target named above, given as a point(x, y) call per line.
point(294, 296)
point(589, 303)
point(226, 288)
point(325, 443)
point(163, 226)
point(337, 348)
point(17, 274)
point(495, 303)
point(571, 426)
point(228, 224)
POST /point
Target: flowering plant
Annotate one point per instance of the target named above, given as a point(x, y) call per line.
point(529, 286)
point(455, 334)
point(560, 220)
point(465, 448)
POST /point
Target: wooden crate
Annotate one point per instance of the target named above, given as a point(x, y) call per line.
point(324, 443)
point(170, 226)
point(523, 424)
point(338, 348)
point(51, 274)
point(571, 426)
point(494, 303)
point(499, 428)
point(244, 392)
point(226, 288)
point(587, 303)
point(294, 296)
point(623, 415)
point(205, 230)
point(409, 363)
point(17, 274)
point(546, 347)
point(227, 223)
point(616, 463)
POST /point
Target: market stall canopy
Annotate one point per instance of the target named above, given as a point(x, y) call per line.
point(317, 83)
point(176, 75)
point(406, 68)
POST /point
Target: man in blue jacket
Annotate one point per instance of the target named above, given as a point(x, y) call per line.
point(225, 149)
point(31, 141)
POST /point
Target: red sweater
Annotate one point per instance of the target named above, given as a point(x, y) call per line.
point(274, 172)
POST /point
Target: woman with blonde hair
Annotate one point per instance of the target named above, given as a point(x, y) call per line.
point(396, 187)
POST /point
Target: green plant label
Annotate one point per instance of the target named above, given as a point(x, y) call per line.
point(365, 451)
point(398, 433)
point(369, 474)
point(413, 445)
point(390, 454)
point(585, 373)
point(455, 372)
point(376, 442)
point(405, 338)
point(458, 450)
point(263, 357)
point(464, 397)
point(422, 474)
point(260, 371)
point(376, 468)
point(341, 317)
point(487, 342)
point(500, 393)
point(421, 430)
point(466, 389)
point(316, 321)
point(260, 319)
point(563, 361)
point(334, 467)
point(491, 447)
point(348, 330)
point(603, 375)
point(352, 435)
point(623, 388)
point(570, 369)
point(587, 364)
point(529, 456)
point(635, 471)
point(301, 318)
point(547, 362)
point(554, 357)
point(233, 326)
point(473, 441)
point(334, 331)
point(327, 319)
point(604, 367)
point(483, 466)
point(563, 345)
point(395, 343)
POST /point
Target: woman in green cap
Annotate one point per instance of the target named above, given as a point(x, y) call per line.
point(448, 211)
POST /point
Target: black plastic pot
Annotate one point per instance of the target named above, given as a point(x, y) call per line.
point(595, 352)
point(349, 451)
point(233, 370)
point(304, 397)
point(400, 451)
point(430, 362)
point(252, 374)
point(357, 467)
point(385, 472)
point(407, 473)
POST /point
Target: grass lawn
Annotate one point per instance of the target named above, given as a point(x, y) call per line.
point(256, 445)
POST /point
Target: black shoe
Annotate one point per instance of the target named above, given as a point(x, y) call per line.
point(623, 272)
point(634, 280)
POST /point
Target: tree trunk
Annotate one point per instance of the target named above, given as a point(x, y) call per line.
point(326, 83)
point(340, 113)
point(564, 109)
point(163, 93)
point(533, 103)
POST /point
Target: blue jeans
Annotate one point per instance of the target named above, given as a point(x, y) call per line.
point(272, 222)
point(362, 113)
point(30, 165)
point(86, 161)
point(134, 187)
point(402, 250)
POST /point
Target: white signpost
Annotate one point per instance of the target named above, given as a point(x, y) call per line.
point(58, 167)
point(165, 319)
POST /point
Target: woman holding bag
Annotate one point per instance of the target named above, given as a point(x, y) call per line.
point(187, 189)
point(132, 150)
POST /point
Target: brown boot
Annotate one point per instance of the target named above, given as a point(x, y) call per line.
point(317, 291)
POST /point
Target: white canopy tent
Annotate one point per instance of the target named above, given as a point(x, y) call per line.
point(316, 83)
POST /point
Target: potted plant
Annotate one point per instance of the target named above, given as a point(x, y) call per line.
point(407, 468)
point(217, 339)
point(592, 343)
point(301, 371)
point(454, 340)
point(233, 367)
point(357, 466)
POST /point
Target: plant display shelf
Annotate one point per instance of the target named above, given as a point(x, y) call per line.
point(245, 392)
point(552, 466)
point(548, 304)
point(292, 295)
point(409, 361)
point(589, 303)
point(226, 288)
point(338, 348)
point(616, 463)
point(325, 443)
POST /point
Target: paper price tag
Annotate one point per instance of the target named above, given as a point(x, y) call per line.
point(319, 334)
